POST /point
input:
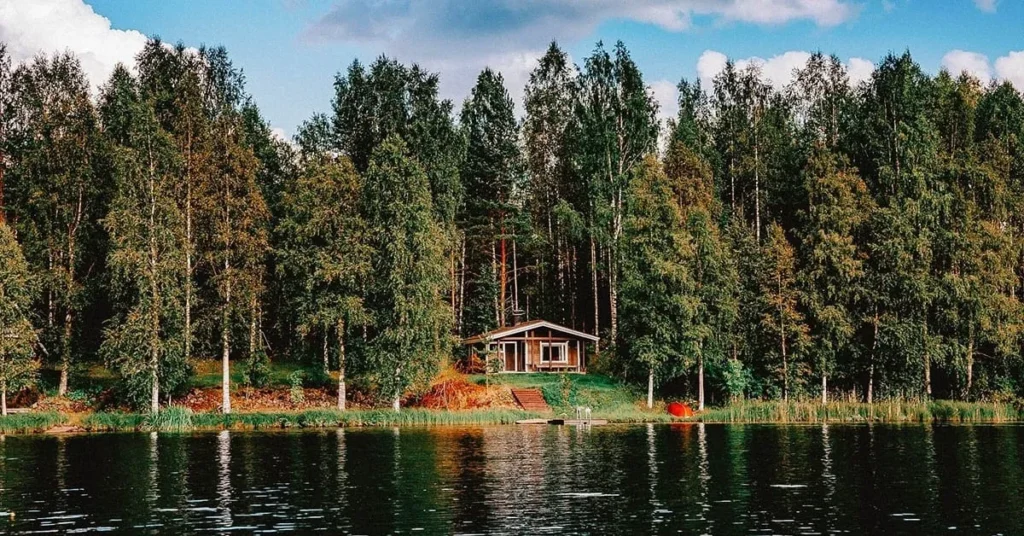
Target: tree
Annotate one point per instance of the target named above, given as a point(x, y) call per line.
point(5, 120)
point(144, 340)
point(832, 275)
point(492, 177)
point(614, 128)
point(17, 336)
point(323, 253)
point(781, 318)
point(236, 240)
point(57, 196)
point(405, 300)
point(658, 302)
point(710, 265)
point(548, 106)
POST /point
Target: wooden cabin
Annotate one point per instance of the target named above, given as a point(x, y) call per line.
point(534, 346)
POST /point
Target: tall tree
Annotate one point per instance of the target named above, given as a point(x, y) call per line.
point(144, 339)
point(832, 275)
point(17, 336)
point(492, 176)
point(323, 252)
point(657, 288)
point(614, 128)
point(405, 298)
point(6, 103)
point(781, 318)
point(58, 195)
point(548, 106)
point(236, 238)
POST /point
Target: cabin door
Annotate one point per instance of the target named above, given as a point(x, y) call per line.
point(510, 355)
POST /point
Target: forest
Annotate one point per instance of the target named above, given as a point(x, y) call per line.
point(825, 240)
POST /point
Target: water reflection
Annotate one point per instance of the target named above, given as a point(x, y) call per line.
point(690, 478)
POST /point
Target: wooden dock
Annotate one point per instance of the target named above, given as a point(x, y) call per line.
point(565, 422)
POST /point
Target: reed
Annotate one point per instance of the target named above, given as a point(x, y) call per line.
point(19, 423)
point(180, 419)
point(941, 411)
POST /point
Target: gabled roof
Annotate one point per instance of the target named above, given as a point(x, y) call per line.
point(526, 326)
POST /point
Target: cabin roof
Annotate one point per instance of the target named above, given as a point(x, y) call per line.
point(526, 326)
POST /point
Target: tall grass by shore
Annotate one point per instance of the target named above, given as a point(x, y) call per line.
point(940, 411)
point(181, 419)
point(17, 423)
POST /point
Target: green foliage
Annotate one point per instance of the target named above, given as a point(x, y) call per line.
point(295, 393)
point(17, 337)
point(411, 320)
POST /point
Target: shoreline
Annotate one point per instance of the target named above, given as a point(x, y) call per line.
point(177, 419)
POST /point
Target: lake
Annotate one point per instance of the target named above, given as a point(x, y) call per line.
point(539, 479)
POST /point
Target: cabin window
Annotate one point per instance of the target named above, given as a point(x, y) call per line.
point(554, 352)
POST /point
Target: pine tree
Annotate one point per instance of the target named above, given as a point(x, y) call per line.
point(405, 298)
point(548, 106)
point(492, 177)
point(17, 336)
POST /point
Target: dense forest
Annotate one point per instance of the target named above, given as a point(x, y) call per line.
point(825, 239)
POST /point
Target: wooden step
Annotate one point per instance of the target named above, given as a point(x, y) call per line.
point(531, 400)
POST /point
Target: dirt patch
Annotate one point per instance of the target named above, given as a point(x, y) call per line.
point(450, 390)
point(200, 400)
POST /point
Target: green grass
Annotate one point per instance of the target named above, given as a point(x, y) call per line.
point(30, 422)
point(183, 420)
point(208, 373)
point(941, 411)
point(607, 398)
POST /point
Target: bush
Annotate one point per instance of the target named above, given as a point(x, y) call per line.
point(295, 393)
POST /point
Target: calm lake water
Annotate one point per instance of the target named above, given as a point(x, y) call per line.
point(688, 479)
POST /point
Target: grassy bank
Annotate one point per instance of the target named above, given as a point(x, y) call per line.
point(179, 419)
point(940, 411)
point(22, 423)
point(608, 398)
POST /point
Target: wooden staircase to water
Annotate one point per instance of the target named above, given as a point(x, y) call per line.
point(531, 400)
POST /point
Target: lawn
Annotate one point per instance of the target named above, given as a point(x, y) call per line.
point(608, 398)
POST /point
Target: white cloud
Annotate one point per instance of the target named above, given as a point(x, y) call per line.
point(972, 63)
point(859, 70)
point(709, 64)
point(667, 96)
point(458, 38)
point(31, 27)
point(1011, 68)
point(776, 70)
point(988, 6)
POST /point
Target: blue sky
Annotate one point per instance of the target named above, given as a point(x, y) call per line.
point(290, 50)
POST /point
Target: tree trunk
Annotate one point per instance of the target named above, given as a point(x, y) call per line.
point(927, 360)
point(3, 398)
point(597, 305)
point(225, 337)
point(785, 358)
point(515, 281)
point(326, 356)
point(613, 294)
point(502, 297)
point(462, 284)
point(650, 388)
point(970, 364)
point(341, 364)
point(871, 365)
point(188, 266)
point(824, 389)
point(154, 336)
point(700, 383)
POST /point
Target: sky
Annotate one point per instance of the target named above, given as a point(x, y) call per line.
point(291, 50)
